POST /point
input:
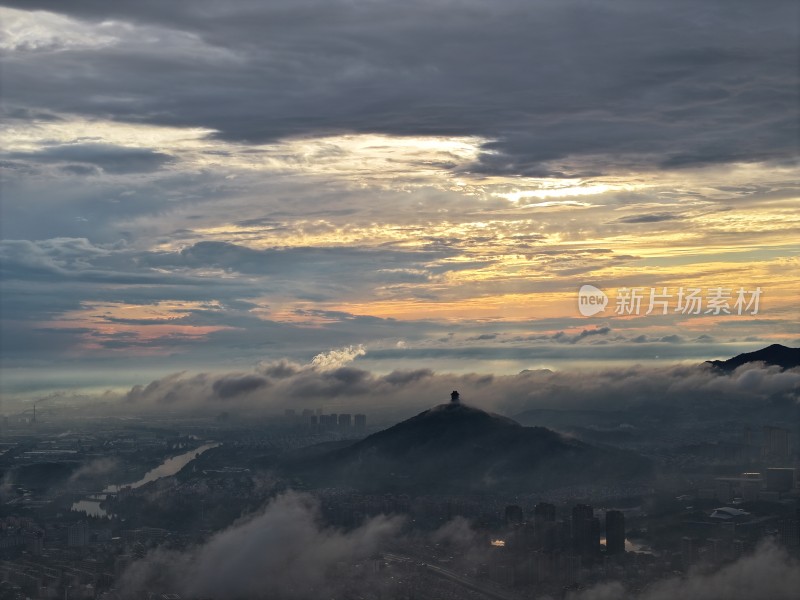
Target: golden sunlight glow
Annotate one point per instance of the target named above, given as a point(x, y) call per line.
point(571, 188)
point(487, 252)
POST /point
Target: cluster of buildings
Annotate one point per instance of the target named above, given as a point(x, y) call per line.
point(315, 421)
point(18, 533)
point(771, 485)
point(50, 560)
point(557, 549)
point(77, 560)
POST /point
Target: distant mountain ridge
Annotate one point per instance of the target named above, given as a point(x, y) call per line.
point(774, 355)
point(458, 448)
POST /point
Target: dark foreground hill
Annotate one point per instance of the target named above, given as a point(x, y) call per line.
point(774, 355)
point(458, 448)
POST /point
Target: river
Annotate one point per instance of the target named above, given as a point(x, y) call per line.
point(91, 504)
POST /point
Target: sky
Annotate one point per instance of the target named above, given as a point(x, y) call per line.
point(210, 187)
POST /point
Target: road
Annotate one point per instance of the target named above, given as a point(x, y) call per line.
point(467, 582)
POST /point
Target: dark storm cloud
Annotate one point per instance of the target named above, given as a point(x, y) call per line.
point(560, 87)
point(406, 377)
point(230, 386)
point(386, 264)
point(111, 159)
point(80, 169)
point(77, 259)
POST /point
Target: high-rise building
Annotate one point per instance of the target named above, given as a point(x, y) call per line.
point(727, 530)
point(34, 542)
point(747, 436)
point(797, 521)
point(78, 534)
point(584, 530)
point(360, 423)
point(569, 568)
point(514, 515)
point(779, 480)
point(344, 421)
point(717, 550)
point(615, 532)
point(688, 552)
point(789, 531)
point(544, 512)
point(776, 443)
point(544, 525)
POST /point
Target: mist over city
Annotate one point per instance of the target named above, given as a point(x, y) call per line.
point(424, 300)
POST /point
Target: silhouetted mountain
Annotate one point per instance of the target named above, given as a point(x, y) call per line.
point(777, 355)
point(454, 447)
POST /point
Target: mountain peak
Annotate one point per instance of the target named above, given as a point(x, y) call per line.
point(455, 446)
point(453, 421)
point(457, 412)
point(772, 355)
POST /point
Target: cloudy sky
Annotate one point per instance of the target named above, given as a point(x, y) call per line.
point(206, 185)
